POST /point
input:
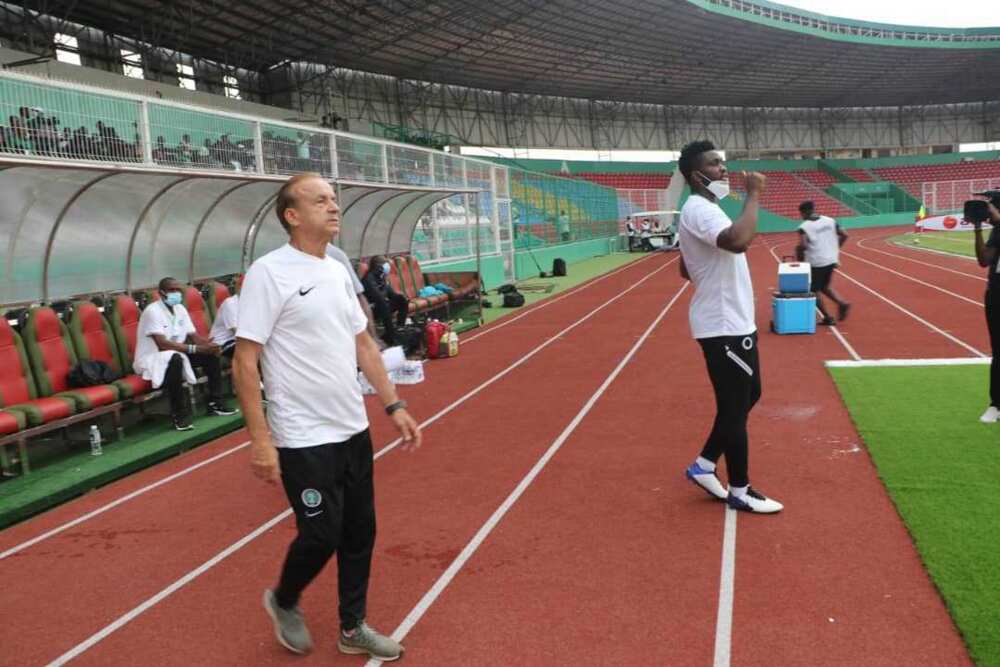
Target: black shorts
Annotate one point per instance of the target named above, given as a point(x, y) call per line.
point(821, 276)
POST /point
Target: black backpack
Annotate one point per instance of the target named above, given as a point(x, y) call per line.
point(559, 266)
point(513, 300)
point(89, 373)
point(411, 338)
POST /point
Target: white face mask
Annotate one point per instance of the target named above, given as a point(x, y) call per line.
point(720, 189)
point(386, 268)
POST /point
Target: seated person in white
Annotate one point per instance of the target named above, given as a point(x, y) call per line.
point(223, 331)
point(167, 345)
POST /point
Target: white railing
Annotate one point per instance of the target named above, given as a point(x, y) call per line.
point(949, 196)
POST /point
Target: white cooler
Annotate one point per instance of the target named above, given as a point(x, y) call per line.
point(793, 277)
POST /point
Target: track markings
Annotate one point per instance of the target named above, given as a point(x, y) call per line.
point(139, 492)
point(861, 244)
point(727, 588)
point(974, 302)
point(470, 548)
point(163, 594)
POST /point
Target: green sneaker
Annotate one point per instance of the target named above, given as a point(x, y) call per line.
point(289, 626)
point(366, 640)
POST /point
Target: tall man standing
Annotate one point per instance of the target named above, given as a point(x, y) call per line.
point(722, 319)
point(300, 319)
point(820, 239)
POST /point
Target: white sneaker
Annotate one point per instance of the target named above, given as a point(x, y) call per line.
point(754, 502)
point(707, 480)
point(991, 416)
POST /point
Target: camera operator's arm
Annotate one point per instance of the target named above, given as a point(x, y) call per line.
point(985, 253)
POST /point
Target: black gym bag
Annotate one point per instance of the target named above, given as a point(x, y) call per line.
point(559, 267)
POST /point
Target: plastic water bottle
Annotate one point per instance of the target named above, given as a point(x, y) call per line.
point(95, 441)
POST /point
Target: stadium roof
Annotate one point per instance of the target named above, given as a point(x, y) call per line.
point(730, 53)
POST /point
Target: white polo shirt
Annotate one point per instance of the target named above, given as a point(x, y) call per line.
point(304, 311)
point(723, 299)
point(823, 244)
point(224, 326)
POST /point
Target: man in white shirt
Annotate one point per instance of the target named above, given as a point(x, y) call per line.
point(820, 239)
point(223, 331)
point(645, 231)
point(167, 346)
point(300, 319)
point(630, 232)
point(713, 257)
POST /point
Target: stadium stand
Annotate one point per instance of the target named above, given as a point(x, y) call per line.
point(912, 178)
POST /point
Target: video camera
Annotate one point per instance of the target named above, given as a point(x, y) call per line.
point(977, 211)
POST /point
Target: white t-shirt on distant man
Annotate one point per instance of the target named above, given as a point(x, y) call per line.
point(723, 299)
point(224, 327)
point(823, 246)
point(304, 312)
point(150, 362)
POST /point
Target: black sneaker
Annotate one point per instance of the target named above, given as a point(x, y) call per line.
point(182, 423)
point(843, 310)
point(828, 322)
point(219, 409)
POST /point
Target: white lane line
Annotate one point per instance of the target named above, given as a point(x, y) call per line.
point(442, 582)
point(933, 250)
point(549, 302)
point(913, 315)
point(836, 333)
point(727, 588)
point(861, 244)
point(135, 494)
point(974, 302)
point(236, 546)
point(868, 363)
point(115, 503)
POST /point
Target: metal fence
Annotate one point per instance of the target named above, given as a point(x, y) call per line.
point(65, 122)
point(949, 196)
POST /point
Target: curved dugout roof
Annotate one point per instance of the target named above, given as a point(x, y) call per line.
point(738, 53)
point(70, 231)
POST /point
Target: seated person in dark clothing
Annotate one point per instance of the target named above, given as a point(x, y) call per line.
point(384, 300)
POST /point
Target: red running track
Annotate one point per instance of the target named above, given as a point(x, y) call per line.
point(608, 557)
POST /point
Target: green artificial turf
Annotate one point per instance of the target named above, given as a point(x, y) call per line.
point(62, 470)
point(958, 243)
point(942, 469)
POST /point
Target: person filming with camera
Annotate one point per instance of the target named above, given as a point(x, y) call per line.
point(988, 253)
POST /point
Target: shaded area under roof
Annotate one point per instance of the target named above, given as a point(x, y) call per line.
point(729, 53)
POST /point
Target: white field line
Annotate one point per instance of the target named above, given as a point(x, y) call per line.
point(836, 333)
point(150, 602)
point(974, 302)
point(149, 487)
point(882, 363)
point(861, 244)
point(470, 548)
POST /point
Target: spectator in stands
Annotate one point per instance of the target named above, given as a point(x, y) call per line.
point(383, 299)
point(185, 151)
point(820, 239)
point(988, 254)
point(563, 224)
point(302, 150)
point(631, 232)
point(300, 321)
point(167, 346)
point(713, 257)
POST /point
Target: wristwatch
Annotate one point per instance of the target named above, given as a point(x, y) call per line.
point(392, 407)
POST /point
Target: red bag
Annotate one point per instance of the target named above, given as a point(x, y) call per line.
point(433, 332)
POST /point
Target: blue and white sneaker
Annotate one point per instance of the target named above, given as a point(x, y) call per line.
point(707, 480)
point(754, 502)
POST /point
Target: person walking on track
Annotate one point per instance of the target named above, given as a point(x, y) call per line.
point(820, 239)
point(721, 317)
point(300, 319)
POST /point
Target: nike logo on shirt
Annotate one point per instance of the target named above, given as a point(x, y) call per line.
point(310, 515)
point(303, 292)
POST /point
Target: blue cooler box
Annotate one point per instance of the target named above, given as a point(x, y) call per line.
point(794, 314)
point(794, 277)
